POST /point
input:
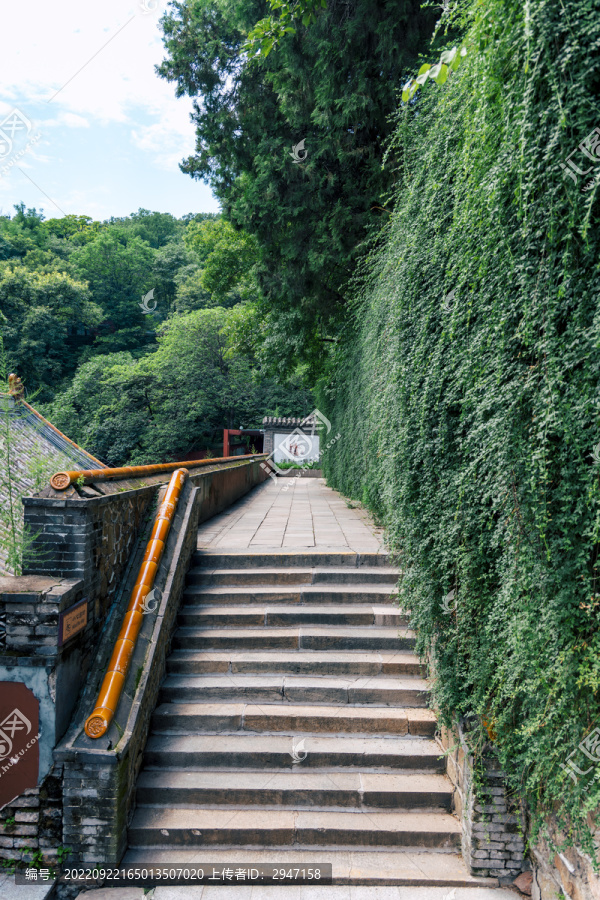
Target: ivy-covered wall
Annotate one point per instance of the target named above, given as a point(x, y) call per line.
point(467, 390)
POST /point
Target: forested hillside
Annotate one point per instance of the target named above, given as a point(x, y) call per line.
point(131, 333)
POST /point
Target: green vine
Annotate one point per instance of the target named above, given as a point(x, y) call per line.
point(449, 62)
point(466, 392)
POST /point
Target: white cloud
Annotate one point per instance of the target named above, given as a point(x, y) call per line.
point(86, 60)
point(113, 132)
point(169, 140)
point(63, 120)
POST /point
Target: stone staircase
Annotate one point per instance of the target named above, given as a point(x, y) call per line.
point(293, 726)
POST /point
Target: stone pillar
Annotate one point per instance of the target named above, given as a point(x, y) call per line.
point(32, 654)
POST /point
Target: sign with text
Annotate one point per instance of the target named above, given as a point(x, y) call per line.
point(19, 737)
point(71, 621)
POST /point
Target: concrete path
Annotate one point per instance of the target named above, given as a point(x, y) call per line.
point(292, 513)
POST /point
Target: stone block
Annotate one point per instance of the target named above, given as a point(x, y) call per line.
point(21, 842)
point(488, 845)
point(28, 817)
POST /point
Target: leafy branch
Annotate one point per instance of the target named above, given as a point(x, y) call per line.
point(267, 33)
point(450, 60)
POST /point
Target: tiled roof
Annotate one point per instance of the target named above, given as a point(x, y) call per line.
point(37, 451)
point(291, 422)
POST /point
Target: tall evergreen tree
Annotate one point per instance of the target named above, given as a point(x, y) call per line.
point(333, 85)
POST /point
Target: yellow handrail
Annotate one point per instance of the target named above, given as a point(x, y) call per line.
point(62, 480)
point(110, 693)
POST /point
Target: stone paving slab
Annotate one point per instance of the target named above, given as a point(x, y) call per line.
point(275, 751)
point(301, 515)
point(407, 870)
point(11, 891)
point(303, 892)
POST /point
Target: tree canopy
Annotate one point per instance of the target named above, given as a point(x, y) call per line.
point(332, 85)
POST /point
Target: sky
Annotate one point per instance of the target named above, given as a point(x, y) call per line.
point(86, 125)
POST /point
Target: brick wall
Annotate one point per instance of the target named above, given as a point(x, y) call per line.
point(87, 538)
point(29, 653)
point(38, 821)
point(492, 841)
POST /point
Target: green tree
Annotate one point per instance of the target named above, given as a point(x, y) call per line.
point(333, 85)
point(228, 259)
point(156, 228)
point(79, 228)
point(37, 310)
point(106, 407)
point(171, 263)
point(22, 233)
point(175, 400)
point(118, 270)
point(190, 292)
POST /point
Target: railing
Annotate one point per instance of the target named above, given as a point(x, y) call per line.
point(112, 687)
point(62, 480)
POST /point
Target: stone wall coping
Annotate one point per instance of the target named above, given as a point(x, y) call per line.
point(16, 584)
point(33, 588)
point(49, 497)
point(85, 502)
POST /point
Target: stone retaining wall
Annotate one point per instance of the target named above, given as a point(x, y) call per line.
point(87, 538)
point(570, 872)
point(494, 833)
point(492, 840)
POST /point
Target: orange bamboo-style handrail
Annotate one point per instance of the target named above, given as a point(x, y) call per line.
point(61, 480)
point(112, 686)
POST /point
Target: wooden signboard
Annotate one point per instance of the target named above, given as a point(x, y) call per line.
point(71, 621)
point(19, 740)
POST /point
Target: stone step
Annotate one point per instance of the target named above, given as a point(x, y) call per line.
point(195, 717)
point(237, 616)
point(428, 875)
point(287, 751)
point(380, 690)
point(294, 575)
point(344, 662)
point(308, 637)
point(320, 595)
point(275, 559)
point(303, 789)
point(153, 827)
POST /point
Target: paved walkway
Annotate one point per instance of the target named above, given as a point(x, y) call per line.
point(295, 515)
point(304, 892)
point(292, 513)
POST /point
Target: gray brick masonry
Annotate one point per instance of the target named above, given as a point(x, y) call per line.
point(492, 844)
